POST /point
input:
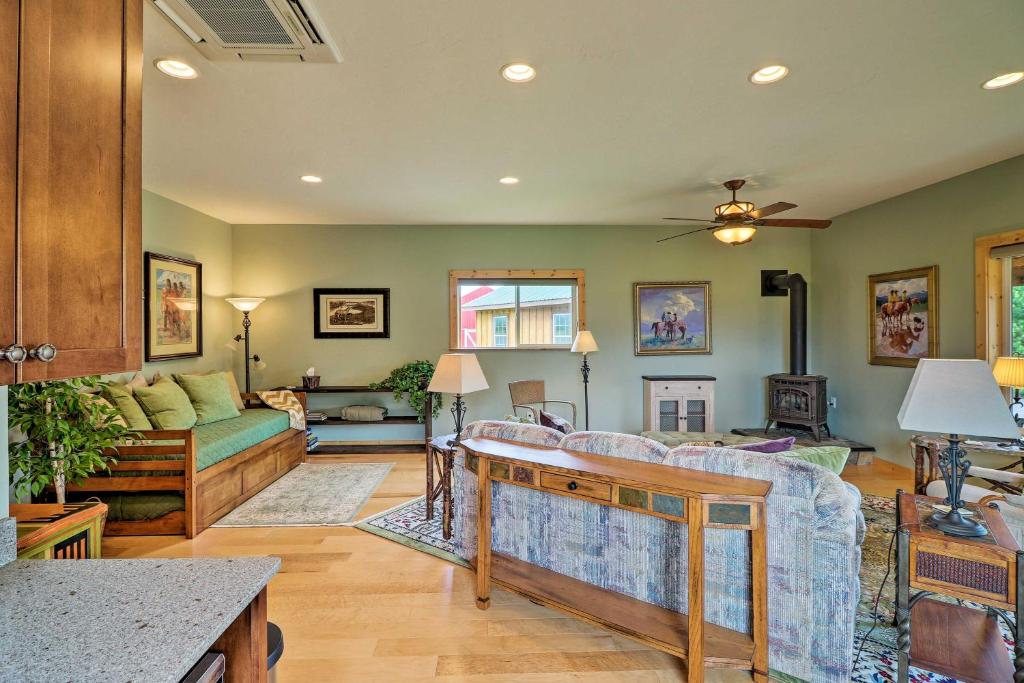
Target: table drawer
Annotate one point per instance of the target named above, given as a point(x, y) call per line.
point(582, 487)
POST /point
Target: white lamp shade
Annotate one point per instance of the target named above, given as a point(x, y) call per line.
point(948, 396)
point(457, 373)
point(584, 342)
point(245, 303)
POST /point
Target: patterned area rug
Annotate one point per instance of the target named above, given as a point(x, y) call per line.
point(407, 524)
point(312, 494)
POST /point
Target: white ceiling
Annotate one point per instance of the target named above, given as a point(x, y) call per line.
point(640, 108)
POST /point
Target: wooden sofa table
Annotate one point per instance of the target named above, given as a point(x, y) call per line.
point(698, 499)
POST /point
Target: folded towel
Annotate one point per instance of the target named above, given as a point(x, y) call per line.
point(363, 413)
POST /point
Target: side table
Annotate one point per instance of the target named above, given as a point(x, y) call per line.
point(440, 460)
point(72, 531)
point(947, 638)
point(926, 452)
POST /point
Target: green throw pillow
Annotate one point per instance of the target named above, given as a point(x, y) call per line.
point(830, 457)
point(121, 397)
point(167, 405)
point(210, 395)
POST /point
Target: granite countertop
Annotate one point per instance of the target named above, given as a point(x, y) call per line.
point(145, 621)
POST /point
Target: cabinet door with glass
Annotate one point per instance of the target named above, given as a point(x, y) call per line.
point(679, 405)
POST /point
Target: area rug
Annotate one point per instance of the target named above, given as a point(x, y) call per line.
point(407, 524)
point(875, 637)
point(312, 494)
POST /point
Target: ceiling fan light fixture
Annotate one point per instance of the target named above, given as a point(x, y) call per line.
point(733, 208)
point(769, 74)
point(735, 235)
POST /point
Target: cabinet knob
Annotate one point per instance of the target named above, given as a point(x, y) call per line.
point(44, 353)
point(572, 486)
point(15, 353)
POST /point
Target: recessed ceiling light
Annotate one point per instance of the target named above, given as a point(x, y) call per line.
point(176, 68)
point(769, 74)
point(1003, 80)
point(311, 179)
point(508, 180)
point(518, 72)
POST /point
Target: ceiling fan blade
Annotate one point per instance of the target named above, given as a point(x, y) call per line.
point(777, 207)
point(793, 223)
point(697, 220)
point(684, 234)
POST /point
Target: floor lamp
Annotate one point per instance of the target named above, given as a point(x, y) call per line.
point(247, 304)
point(584, 343)
point(458, 374)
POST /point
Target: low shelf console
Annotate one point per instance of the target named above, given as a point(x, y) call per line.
point(698, 499)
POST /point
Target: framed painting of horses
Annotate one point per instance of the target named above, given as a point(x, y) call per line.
point(903, 322)
point(174, 307)
point(671, 317)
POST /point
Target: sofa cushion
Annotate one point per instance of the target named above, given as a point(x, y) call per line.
point(220, 440)
point(626, 446)
point(121, 396)
point(830, 457)
point(673, 439)
point(166, 405)
point(236, 395)
point(770, 446)
point(210, 396)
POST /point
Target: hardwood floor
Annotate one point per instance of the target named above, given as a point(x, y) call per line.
point(356, 607)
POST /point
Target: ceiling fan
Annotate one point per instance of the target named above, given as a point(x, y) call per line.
point(736, 222)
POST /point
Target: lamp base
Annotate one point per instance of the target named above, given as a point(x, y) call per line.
point(955, 524)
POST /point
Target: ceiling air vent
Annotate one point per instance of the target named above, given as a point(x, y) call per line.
point(252, 30)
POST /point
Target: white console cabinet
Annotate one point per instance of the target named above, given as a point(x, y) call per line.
point(679, 403)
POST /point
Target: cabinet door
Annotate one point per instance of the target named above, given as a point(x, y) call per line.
point(8, 178)
point(80, 254)
point(668, 414)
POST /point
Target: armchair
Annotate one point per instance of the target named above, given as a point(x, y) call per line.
point(528, 394)
point(1009, 501)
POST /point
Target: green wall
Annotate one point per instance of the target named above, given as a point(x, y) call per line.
point(177, 230)
point(285, 262)
point(933, 225)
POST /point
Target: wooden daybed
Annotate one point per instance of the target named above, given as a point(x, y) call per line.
point(209, 494)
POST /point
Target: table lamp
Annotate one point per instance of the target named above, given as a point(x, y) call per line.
point(246, 304)
point(955, 397)
point(1009, 372)
point(458, 374)
point(584, 343)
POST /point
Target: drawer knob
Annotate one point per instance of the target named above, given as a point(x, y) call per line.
point(44, 352)
point(572, 486)
point(15, 353)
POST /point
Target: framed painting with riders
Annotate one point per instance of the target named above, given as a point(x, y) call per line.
point(174, 307)
point(903, 316)
point(671, 317)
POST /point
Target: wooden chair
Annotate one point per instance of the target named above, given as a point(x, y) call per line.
point(528, 394)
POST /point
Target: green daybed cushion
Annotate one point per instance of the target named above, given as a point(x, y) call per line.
point(138, 507)
point(220, 440)
point(673, 439)
point(830, 457)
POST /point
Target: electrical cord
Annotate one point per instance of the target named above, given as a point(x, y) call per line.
point(878, 598)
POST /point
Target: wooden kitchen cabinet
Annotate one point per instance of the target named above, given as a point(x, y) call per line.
point(71, 262)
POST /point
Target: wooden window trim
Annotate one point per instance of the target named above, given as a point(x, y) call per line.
point(454, 276)
point(988, 294)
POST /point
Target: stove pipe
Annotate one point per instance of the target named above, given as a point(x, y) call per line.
point(797, 286)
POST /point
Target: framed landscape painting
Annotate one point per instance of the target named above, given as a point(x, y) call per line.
point(903, 324)
point(671, 317)
point(174, 307)
point(351, 313)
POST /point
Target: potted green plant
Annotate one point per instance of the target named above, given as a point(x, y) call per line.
point(63, 434)
point(411, 379)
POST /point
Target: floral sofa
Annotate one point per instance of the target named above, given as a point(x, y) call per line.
point(814, 533)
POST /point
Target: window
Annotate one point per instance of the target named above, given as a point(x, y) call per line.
point(500, 328)
point(561, 328)
point(512, 309)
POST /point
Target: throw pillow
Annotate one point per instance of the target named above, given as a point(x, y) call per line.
point(210, 396)
point(555, 422)
point(121, 396)
point(830, 457)
point(117, 419)
point(702, 443)
point(236, 395)
point(167, 405)
point(773, 446)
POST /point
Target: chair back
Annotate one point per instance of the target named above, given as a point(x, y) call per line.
point(526, 392)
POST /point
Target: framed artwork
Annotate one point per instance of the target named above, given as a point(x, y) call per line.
point(174, 307)
point(903, 321)
point(352, 313)
point(671, 317)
